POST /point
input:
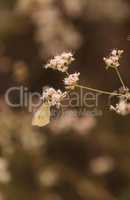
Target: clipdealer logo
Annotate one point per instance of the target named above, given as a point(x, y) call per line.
point(85, 103)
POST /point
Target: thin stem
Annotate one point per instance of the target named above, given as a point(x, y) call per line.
point(120, 78)
point(100, 91)
point(67, 73)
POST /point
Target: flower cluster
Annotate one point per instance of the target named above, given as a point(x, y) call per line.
point(123, 105)
point(122, 108)
point(53, 97)
point(60, 62)
point(113, 60)
point(71, 81)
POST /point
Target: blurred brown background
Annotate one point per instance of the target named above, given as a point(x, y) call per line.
point(62, 161)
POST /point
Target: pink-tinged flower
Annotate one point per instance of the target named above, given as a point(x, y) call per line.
point(71, 81)
point(53, 97)
point(113, 59)
point(121, 108)
point(61, 62)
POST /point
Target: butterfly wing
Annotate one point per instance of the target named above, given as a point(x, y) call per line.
point(42, 116)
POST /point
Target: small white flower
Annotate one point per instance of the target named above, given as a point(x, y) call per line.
point(120, 108)
point(60, 62)
point(114, 52)
point(71, 81)
point(120, 52)
point(113, 59)
point(53, 97)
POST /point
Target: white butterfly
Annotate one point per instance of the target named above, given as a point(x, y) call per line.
point(42, 115)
